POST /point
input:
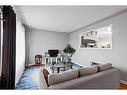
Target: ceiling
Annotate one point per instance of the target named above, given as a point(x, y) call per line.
point(63, 18)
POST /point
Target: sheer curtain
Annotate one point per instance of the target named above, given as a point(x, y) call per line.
point(20, 50)
point(1, 38)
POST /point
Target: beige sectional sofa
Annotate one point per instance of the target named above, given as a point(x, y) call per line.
point(93, 77)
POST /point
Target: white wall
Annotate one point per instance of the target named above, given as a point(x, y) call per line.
point(117, 56)
point(20, 50)
point(39, 42)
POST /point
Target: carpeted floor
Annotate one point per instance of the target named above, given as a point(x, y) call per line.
point(30, 78)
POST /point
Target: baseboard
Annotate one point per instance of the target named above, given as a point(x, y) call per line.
point(123, 82)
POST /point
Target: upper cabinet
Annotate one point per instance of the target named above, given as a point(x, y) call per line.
point(97, 38)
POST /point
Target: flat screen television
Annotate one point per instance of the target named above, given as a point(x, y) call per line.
point(53, 53)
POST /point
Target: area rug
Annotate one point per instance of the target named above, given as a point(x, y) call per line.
point(30, 78)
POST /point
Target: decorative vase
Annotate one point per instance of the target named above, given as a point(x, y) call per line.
point(69, 57)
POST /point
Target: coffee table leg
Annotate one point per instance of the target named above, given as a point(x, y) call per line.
point(58, 69)
point(64, 68)
point(52, 70)
point(71, 67)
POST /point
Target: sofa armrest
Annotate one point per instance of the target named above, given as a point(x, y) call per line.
point(42, 80)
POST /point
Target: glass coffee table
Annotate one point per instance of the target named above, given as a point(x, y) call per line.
point(61, 66)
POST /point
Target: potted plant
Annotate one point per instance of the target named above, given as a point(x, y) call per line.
point(69, 51)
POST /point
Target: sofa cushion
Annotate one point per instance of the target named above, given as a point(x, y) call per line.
point(104, 66)
point(61, 77)
point(88, 70)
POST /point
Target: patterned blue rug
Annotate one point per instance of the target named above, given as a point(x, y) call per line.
point(30, 78)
